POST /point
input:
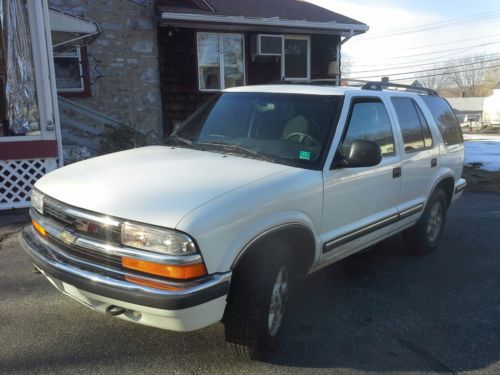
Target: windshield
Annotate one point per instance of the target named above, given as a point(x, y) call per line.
point(290, 129)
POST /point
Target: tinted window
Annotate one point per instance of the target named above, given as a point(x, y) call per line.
point(425, 127)
point(414, 127)
point(369, 121)
point(445, 118)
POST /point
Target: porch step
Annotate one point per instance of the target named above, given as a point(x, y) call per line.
point(82, 129)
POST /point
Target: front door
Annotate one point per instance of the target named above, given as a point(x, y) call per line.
point(360, 204)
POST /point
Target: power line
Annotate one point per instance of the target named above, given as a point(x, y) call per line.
point(434, 63)
point(451, 42)
point(444, 74)
point(398, 66)
point(434, 69)
point(443, 51)
point(453, 20)
point(433, 26)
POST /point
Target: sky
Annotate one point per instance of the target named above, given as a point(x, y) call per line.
point(377, 53)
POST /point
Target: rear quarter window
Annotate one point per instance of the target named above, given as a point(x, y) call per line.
point(446, 120)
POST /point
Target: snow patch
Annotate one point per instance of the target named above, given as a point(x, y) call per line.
point(482, 137)
point(486, 152)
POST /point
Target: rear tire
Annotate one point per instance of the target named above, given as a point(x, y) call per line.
point(424, 237)
point(257, 303)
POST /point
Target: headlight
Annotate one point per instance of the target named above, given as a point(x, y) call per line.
point(37, 200)
point(164, 241)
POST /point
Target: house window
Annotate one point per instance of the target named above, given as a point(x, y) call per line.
point(221, 61)
point(296, 61)
point(72, 76)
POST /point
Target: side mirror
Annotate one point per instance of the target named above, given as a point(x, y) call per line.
point(362, 154)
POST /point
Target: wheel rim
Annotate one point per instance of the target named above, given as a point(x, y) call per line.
point(279, 299)
point(434, 221)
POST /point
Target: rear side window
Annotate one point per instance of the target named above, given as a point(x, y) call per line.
point(369, 121)
point(446, 120)
point(414, 127)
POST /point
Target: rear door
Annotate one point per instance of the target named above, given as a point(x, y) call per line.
point(419, 154)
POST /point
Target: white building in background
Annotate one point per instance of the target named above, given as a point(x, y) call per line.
point(468, 110)
point(491, 107)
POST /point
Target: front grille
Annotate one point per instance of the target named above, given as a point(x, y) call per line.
point(54, 210)
point(113, 261)
point(57, 212)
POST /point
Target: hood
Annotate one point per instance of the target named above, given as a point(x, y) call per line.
point(158, 185)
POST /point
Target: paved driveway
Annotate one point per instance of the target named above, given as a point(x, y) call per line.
point(383, 311)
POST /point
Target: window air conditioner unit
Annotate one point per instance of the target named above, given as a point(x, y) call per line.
point(267, 45)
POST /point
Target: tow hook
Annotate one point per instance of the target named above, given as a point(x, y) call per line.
point(115, 310)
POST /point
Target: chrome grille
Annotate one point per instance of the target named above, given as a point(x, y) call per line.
point(88, 255)
point(70, 219)
point(58, 212)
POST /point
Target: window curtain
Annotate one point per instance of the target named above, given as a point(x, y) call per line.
point(18, 77)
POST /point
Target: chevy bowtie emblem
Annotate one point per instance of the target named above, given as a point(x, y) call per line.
point(67, 237)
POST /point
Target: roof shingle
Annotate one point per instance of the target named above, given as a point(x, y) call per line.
point(293, 10)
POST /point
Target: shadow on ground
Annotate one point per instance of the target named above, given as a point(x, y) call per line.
point(382, 311)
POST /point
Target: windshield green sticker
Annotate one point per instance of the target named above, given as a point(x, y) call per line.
point(305, 155)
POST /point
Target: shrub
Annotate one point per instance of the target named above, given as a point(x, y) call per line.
point(122, 138)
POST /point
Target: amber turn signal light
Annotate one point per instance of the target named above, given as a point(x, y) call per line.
point(39, 228)
point(175, 272)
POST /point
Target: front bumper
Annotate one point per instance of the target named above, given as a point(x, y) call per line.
point(104, 286)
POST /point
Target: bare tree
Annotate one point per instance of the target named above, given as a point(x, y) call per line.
point(474, 77)
point(437, 80)
point(346, 64)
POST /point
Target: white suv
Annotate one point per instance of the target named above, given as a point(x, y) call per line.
point(261, 185)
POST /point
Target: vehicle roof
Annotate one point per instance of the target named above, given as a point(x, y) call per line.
point(312, 89)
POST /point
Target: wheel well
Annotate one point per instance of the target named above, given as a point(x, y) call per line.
point(448, 186)
point(297, 238)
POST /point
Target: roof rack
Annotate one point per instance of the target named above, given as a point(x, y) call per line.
point(396, 86)
point(365, 85)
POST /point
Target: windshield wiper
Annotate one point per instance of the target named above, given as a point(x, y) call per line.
point(238, 149)
point(184, 141)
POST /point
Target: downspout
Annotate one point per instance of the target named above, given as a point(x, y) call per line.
point(351, 34)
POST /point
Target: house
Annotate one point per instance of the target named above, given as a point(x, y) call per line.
point(155, 62)
point(208, 45)
point(30, 143)
point(114, 80)
point(467, 109)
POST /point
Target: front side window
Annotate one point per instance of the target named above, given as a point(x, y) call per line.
point(368, 121)
point(445, 118)
point(221, 61)
point(291, 129)
point(414, 127)
point(72, 72)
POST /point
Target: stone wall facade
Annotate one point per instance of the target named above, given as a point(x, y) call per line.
point(126, 55)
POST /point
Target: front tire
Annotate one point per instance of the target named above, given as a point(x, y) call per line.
point(257, 303)
point(424, 237)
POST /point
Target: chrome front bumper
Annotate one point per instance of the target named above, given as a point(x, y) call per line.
point(111, 283)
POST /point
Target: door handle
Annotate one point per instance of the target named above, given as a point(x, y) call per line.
point(434, 162)
point(396, 172)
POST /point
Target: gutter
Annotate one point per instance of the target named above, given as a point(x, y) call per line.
point(274, 21)
point(339, 54)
